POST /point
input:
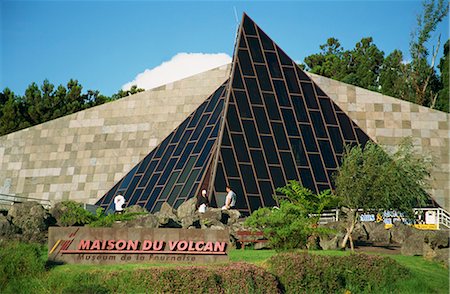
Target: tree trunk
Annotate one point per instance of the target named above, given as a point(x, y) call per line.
point(351, 226)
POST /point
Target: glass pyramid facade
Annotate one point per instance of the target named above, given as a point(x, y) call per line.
point(269, 123)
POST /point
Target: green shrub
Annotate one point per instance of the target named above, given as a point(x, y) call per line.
point(19, 261)
point(358, 273)
point(108, 220)
point(75, 215)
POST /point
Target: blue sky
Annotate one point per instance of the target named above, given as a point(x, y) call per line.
point(105, 44)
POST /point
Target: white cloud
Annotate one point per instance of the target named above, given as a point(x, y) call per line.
point(180, 66)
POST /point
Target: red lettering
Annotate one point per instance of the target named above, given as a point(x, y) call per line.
point(208, 246)
point(172, 245)
point(158, 245)
point(219, 246)
point(191, 246)
point(84, 245)
point(110, 245)
point(95, 245)
point(198, 247)
point(104, 244)
point(147, 245)
point(121, 244)
point(132, 245)
point(182, 245)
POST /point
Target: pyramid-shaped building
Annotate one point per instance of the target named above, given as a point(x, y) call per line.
point(267, 124)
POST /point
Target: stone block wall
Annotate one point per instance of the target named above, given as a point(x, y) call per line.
point(82, 155)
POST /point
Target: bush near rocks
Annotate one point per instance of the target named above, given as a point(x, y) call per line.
point(308, 273)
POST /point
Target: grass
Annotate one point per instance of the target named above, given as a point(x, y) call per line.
point(426, 276)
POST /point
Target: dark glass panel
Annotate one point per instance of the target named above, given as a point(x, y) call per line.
point(148, 173)
point(162, 146)
point(213, 101)
point(187, 169)
point(308, 138)
point(135, 197)
point(254, 202)
point(153, 198)
point(220, 182)
point(307, 179)
point(327, 154)
point(185, 155)
point(178, 203)
point(319, 91)
point(180, 131)
point(310, 97)
point(317, 167)
point(246, 64)
point(274, 66)
point(267, 193)
point(290, 122)
point(189, 183)
point(204, 155)
point(237, 78)
point(233, 119)
point(236, 186)
point(199, 128)
point(193, 190)
point(263, 77)
point(346, 127)
point(271, 106)
point(250, 133)
point(317, 123)
point(327, 110)
point(225, 138)
point(339, 159)
point(144, 163)
point(132, 186)
point(280, 136)
point(282, 95)
point(261, 120)
point(291, 80)
point(126, 181)
point(336, 139)
point(260, 164)
point(242, 104)
point(249, 179)
point(242, 42)
point(215, 131)
point(174, 194)
point(265, 40)
point(215, 115)
point(240, 148)
point(230, 166)
point(300, 109)
point(301, 74)
point(249, 26)
point(299, 152)
point(202, 140)
point(277, 176)
point(253, 91)
point(167, 155)
point(288, 166)
point(323, 187)
point(168, 186)
point(182, 143)
point(198, 113)
point(269, 149)
point(284, 59)
point(150, 186)
point(167, 171)
point(362, 137)
point(157, 206)
point(255, 50)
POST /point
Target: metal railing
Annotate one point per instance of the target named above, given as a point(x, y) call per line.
point(6, 200)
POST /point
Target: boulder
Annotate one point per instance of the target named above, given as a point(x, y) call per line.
point(217, 226)
point(331, 242)
point(187, 208)
point(442, 255)
point(57, 211)
point(146, 221)
point(166, 217)
point(359, 233)
point(376, 232)
point(7, 229)
point(413, 245)
point(230, 216)
point(136, 209)
point(400, 232)
point(313, 243)
point(261, 245)
point(437, 239)
point(212, 217)
point(32, 220)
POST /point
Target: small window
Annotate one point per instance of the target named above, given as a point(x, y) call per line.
point(282, 94)
point(263, 78)
point(249, 179)
point(280, 136)
point(250, 133)
point(260, 164)
point(242, 104)
point(230, 166)
point(261, 120)
point(253, 91)
point(310, 97)
point(291, 80)
point(245, 62)
point(274, 66)
point(308, 138)
point(269, 150)
point(255, 50)
point(272, 106)
point(240, 148)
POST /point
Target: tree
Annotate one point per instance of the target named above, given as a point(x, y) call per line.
point(372, 179)
point(393, 75)
point(423, 78)
point(442, 102)
point(295, 220)
point(121, 93)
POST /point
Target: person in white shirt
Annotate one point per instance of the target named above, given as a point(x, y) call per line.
point(230, 200)
point(119, 201)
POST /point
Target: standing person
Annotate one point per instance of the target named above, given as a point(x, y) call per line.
point(119, 201)
point(202, 202)
point(230, 200)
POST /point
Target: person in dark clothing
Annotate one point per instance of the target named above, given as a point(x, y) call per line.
point(202, 202)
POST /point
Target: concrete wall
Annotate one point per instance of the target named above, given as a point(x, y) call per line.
point(387, 120)
point(81, 156)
